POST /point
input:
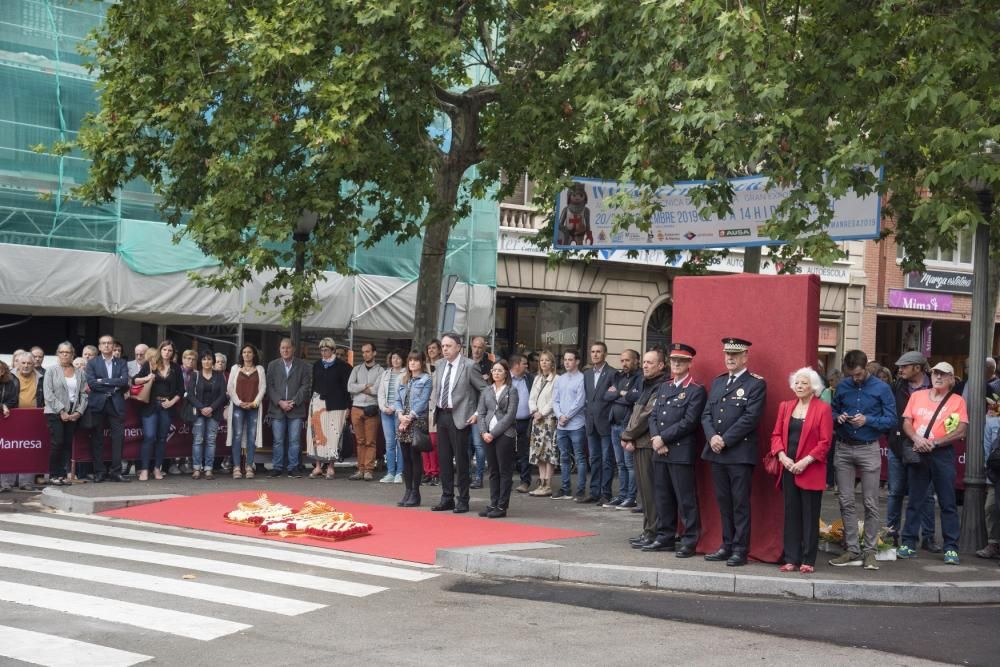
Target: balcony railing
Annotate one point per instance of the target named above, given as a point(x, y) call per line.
point(517, 216)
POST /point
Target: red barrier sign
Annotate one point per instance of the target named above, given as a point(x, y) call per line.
point(24, 442)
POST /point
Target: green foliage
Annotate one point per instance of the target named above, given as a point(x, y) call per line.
point(807, 92)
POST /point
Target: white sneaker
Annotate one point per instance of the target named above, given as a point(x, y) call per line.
point(398, 479)
point(388, 479)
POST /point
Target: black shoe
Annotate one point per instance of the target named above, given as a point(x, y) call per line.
point(932, 546)
point(461, 508)
point(614, 502)
point(414, 500)
point(476, 484)
point(587, 500)
point(636, 510)
point(435, 480)
point(275, 473)
point(405, 499)
point(117, 477)
point(294, 474)
point(443, 506)
point(639, 538)
point(659, 545)
point(497, 513)
point(719, 555)
point(627, 505)
point(639, 544)
point(737, 560)
point(485, 512)
point(684, 551)
point(604, 501)
point(426, 479)
point(97, 477)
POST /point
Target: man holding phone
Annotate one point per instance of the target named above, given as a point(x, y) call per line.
point(864, 409)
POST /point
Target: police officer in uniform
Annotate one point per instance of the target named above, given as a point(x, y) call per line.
point(735, 405)
point(673, 426)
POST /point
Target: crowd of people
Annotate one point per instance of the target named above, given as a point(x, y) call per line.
point(454, 421)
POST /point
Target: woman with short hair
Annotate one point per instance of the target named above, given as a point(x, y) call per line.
point(247, 384)
point(65, 394)
point(800, 441)
point(10, 390)
point(496, 416)
point(413, 407)
point(328, 409)
point(207, 395)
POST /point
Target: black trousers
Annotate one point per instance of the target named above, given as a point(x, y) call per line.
point(647, 491)
point(522, 448)
point(61, 436)
point(453, 452)
point(413, 466)
point(500, 459)
point(801, 521)
point(116, 424)
point(732, 492)
point(674, 489)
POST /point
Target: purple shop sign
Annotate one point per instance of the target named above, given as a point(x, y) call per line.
point(899, 298)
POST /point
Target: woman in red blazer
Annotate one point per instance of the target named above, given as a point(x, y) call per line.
point(801, 439)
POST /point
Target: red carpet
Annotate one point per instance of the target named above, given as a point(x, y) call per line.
point(407, 534)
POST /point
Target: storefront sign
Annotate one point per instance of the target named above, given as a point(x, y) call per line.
point(932, 280)
point(586, 216)
point(919, 301)
point(829, 334)
point(24, 442)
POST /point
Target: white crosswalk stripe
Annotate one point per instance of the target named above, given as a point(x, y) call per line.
point(178, 587)
point(52, 651)
point(41, 565)
point(192, 626)
point(268, 552)
point(329, 585)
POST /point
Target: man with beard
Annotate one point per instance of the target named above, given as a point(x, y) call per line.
point(636, 439)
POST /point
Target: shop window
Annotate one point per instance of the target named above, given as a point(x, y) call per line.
point(533, 325)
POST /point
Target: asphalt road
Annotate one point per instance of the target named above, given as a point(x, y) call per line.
point(84, 579)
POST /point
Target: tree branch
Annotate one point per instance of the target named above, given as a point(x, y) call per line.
point(488, 48)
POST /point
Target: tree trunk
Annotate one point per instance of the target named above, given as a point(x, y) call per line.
point(440, 219)
point(751, 259)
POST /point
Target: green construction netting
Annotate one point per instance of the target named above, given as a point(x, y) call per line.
point(46, 94)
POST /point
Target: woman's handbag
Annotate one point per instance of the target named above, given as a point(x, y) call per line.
point(421, 438)
point(140, 392)
point(189, 413)
point(771, 464)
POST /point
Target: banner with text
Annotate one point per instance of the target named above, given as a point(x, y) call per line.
point(24, 442)
point(585, 218)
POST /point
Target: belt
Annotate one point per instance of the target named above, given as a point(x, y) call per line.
point(445, 409)
point(524, 419)
point(856, 443)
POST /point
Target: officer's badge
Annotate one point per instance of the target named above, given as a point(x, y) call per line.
point(681, 396)
point(740, 392)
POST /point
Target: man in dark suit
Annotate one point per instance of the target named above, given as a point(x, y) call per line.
point(735, 405)
point(622, 400)
point(107, 377)
point(289, 388)
point(674, 426)
point(521, 379)
point(454, 401)
point(596, 381)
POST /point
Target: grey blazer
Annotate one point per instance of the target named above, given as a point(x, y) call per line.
point(57, 392)
point(465, 389)
point(504, 407)
point(298, 385)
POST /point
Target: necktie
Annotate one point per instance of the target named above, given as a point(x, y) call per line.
point(446, 398)
point(730, 383)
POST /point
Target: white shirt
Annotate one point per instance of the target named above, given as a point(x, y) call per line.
point(446, 397)
point(71, 386)
point(496, 392)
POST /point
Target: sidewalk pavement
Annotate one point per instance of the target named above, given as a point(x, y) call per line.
point(605, 558)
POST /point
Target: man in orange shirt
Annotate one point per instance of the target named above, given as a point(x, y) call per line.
point(933, 420)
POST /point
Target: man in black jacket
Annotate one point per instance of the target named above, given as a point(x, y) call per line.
point(618, 395)
point(636, 439)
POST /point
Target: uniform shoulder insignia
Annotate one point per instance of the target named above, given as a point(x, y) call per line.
point(759, 377)
point(722, 375)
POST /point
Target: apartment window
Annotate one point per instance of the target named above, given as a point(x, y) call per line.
point(959, 256)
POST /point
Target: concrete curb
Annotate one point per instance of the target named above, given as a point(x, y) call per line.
point(493, 561)
point(60, 500)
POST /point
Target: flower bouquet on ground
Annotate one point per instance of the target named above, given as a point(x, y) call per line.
point(339, 530)
point(257, 512)
point(831, 536)
point(313, 512)
point(885, 545)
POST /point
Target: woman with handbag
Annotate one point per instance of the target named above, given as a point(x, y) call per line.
point(65, 393)
point(544, 452)
point(206, 395)
point(497, 412)
point(247, 384)
point(412, 406)
point(800, 442)
point(166, 390)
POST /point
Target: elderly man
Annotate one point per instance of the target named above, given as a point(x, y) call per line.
point(38, 358)
point(934, 419)
point(289, 387)
point(139, 359)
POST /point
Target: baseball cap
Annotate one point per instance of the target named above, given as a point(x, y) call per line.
point(944, 367)
point(910, 358)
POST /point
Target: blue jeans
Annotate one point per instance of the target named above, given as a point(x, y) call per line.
point(155, 427)
point(897, 491)
point(477, 447)
point(393, 454)
point(602, 464)
point(937, 468)
point(571, 446)
point(244, 422)
point(204, 431)
point(626, 464)
point(280, 427)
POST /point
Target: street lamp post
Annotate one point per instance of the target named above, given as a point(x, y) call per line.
point(303, 229)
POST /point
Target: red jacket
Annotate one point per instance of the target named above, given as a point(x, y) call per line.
point(817, 433)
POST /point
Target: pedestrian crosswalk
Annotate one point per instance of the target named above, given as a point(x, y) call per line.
point(101, 573)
